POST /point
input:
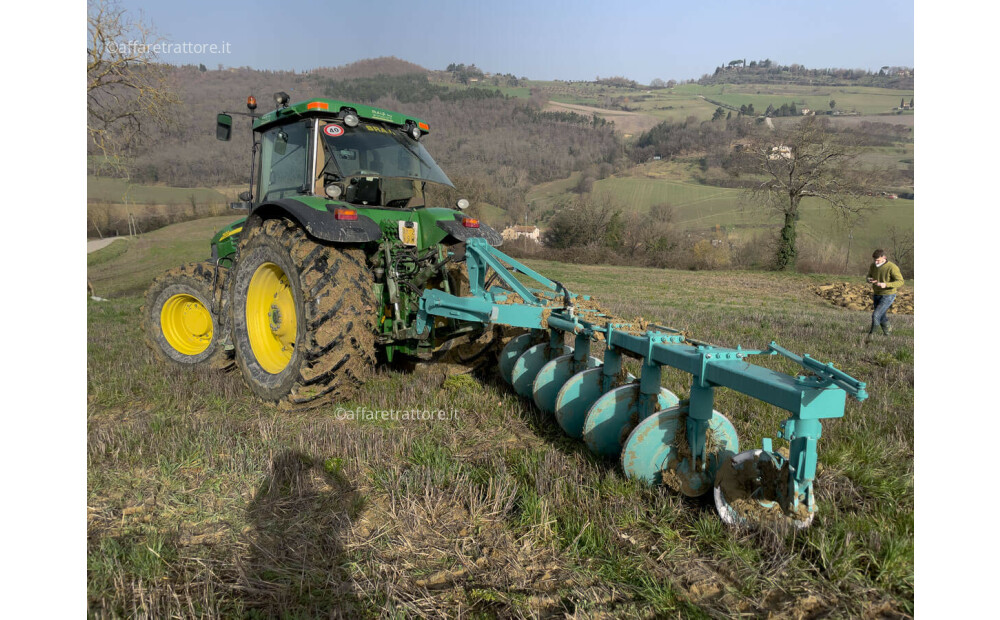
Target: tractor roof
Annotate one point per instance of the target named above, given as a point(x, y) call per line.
point(330, 108)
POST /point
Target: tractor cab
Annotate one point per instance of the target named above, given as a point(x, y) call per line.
point(350, 153)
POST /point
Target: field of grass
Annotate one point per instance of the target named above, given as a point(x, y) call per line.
point(703, 207)
point(204, 501)
point(684, 100)
point(126, 267)
point(106, 189)
point(864, 100)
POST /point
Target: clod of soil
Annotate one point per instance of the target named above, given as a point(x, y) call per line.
point(859, 297)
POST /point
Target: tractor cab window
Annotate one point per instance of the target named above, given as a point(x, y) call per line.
point(374, 150)
point(283, 161)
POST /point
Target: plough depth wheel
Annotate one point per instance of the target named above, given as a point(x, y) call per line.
point(750, 488)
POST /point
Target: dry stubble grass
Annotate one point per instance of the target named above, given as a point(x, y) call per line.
point(203, 501)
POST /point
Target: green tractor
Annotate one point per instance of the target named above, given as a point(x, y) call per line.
point(326, 269)
point(341, 259)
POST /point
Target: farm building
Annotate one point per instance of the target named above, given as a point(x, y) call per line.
point(517, 232)
point(780, 152)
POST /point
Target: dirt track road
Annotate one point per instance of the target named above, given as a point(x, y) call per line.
point(625, 122)
point(96, 244)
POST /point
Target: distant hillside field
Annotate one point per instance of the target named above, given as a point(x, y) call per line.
point(864, 100)
point(104, 189)
point(705, 208)
point(684, 100)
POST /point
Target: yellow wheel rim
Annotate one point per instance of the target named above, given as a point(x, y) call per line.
point(186, 324)
point(271, 322)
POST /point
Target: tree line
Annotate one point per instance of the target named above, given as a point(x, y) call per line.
point(768, 72)
point(494, 148)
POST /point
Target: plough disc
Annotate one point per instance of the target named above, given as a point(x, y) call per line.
point(553, 376)
point(613, 416)
point(576, 397)
point(513, 350)
point(657, 451)
point(528, 365)
point(749, 488)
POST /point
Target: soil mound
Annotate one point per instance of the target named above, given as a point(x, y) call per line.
point(859, 297)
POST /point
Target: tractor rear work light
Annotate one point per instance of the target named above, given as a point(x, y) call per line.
point(341, 213)
point(470, 222)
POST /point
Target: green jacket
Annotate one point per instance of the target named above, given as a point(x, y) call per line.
point(888, 273)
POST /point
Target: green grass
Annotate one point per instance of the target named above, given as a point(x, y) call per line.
point(110, 252)
point(204, 501)
point(864, 100)
point(127, 268)
point(106, 189)
point(700, 207)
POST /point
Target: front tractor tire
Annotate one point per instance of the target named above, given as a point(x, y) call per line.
point(303, 316)
point(184, 314)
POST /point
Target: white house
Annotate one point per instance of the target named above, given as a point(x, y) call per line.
point(516, 232)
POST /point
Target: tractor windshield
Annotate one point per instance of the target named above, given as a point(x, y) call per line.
point(373, 149)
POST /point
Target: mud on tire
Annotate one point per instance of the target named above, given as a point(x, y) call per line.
point(330, 290)
point(184, 315)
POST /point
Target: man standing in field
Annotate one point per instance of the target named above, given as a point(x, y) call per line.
point(885, 279)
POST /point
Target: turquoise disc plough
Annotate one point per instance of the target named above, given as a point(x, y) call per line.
point(686, 445)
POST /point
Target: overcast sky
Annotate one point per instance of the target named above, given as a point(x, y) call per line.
point(541, 40)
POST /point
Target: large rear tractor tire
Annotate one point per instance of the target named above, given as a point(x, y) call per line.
point(184, 315)
point(303, 316)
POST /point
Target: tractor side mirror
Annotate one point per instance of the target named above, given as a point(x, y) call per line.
point(223, 127)
point(246, 201)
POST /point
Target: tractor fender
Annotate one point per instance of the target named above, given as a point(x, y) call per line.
point(319, 224)
point(456, 230)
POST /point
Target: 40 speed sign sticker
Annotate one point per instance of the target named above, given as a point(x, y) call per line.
point(333, 131)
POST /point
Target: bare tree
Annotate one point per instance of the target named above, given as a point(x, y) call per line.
point(805, 161)
point(901, 248)
point(126, 91)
